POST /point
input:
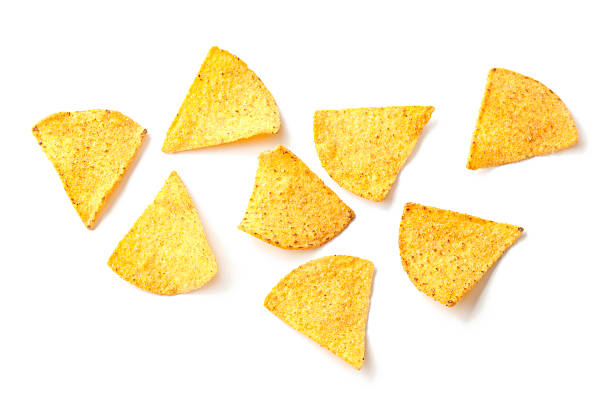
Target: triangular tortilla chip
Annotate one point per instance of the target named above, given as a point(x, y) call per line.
point(519, 118)
point(90, 151)
point(290, 207)
point(445, 253)
point(328, 300)
point(166, 251)
point(364, 149)
point(225, 103)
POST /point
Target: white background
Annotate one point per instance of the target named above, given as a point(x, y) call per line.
point(536, 330)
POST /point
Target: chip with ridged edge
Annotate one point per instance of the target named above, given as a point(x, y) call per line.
point(90, 151)
point(519, 118)
point(290, 206)
point(445, 253)
point(328, 300)
point(166, 251)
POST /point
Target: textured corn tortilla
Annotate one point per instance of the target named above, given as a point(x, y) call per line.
point(166, 251)
point(290, 207)
point(519, 118)
point(364, 149)
point(328, 300)
point(226, 102)
point(445, 253)
point(90, 151)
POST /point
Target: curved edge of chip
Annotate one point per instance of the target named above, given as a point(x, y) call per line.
point(345, 331)
point(386, 180)
point(254, 227)
point(166, 251)
point(175, 143)
point(439, 288)
point(477, 160)
point(89, 219)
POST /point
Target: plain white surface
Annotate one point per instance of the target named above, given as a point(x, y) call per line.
point(535, 331)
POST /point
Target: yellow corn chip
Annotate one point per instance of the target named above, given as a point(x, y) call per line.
point(445, 253)
point(225, 103)
point(290, 207)
point(166, 251)
point(90, 151)
point(519, 118)
point(364, 149)
point(328, 300)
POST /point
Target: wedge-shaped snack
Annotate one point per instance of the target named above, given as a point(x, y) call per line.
point(328, 300)
point(445, 253)
point(226, 102)
point(364, 149)
point(166, 251)
point(290, 207)
point(91, 151)
point(519, 118)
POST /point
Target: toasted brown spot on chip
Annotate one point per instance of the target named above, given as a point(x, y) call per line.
point(364, 149)
point(90, 151)
point(328, 300)
point(166, 251)
point(226, 102)
point(519, 118)
point(445, 253)
point(290, 206)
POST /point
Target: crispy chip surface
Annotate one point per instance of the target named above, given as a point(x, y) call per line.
point(445, 253)
point(364, 149)
point(328, 300)
point(290, 206)
point(90, 151)
point(519, 118)
point(225, 103)
point(166, 251)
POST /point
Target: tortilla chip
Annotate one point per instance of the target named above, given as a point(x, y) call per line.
point(445, 253)
point(225, 103)
point(90, 151)
point(166, 251)
point(328, 300)
point(519, 118)
point(290, 207)
point(364, 149)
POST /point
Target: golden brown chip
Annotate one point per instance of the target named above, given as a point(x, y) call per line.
point(90, 151)
point(166, 251)
point(290, 207)
point(225, 103)
point(445, 253)
point(328, 300)
point(364, 149)
point(519, 118)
